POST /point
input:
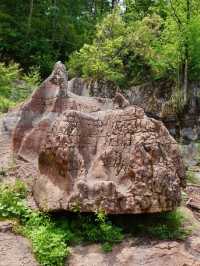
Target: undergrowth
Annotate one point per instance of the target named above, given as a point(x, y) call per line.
point(51, 237)
point(52, 234)
point(191, 177)
point(15, 86)
point(167, 225)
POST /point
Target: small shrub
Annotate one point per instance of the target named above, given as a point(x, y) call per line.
point(164, 226)
point(191, 178)
point(12, 201)
point(107, 247)
point(90, 228)
point(48, 244)
point(5, 104)
point(15, 86)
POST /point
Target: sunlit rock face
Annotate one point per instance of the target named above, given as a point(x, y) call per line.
point(96, 153)
point(118, 160)
point(46, 104)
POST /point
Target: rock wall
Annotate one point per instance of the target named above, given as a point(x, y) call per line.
point(153, 97)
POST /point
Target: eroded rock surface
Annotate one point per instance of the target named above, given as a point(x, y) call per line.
point(96, 153)
point(44, 106)
point(118, 160)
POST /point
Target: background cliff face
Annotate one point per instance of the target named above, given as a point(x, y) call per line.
point(157, 99)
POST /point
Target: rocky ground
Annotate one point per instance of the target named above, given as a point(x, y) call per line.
point(16, 251)
point(134, 252)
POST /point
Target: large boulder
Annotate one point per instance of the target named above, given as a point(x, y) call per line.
point(96, 153)
point(44, 106)
point(116, 160)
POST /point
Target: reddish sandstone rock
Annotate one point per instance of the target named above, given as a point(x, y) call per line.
point(95, 153)
point(43, 107)
point(120, 161)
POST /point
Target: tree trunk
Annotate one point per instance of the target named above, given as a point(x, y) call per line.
point(30, 16)
point(185, 85)
point(114, 2)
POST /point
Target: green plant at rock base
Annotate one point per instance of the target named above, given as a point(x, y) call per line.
point(51, 235)
point(164, 226)
point(191, 177)
point(107, 247)
point(89, 228)
point(48, 242)
point(12, 201)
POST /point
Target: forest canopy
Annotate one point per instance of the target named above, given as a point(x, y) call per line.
point(127, 42)
point(148, 40)
point(38, 33)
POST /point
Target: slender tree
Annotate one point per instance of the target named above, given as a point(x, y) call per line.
point(30, 15)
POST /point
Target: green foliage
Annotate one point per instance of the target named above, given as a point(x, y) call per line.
point(47, 241)
point(173, 228)
point(194, 44)
point(39, 33)
point(140, 54)
point(50, 237)
point(141, 41)
point(151, 40)
point(15, 86)
point(12, 203)
point(101, 59)
point(5, 104)
point(164, 226)
point(89, 228)
point(107, 247)
point(8, 74)
point(125, 53)
point(191, 177)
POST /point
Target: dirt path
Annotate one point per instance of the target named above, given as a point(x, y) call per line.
point(14, 250)
point(129, 253)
